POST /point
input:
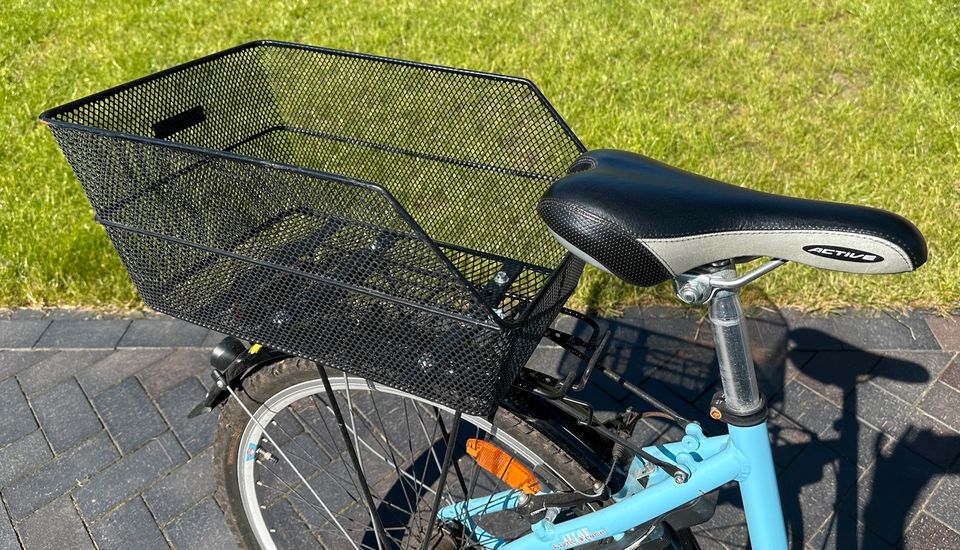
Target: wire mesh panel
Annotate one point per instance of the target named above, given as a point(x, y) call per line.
point(375, 215)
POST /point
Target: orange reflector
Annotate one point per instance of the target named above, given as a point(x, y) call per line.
point(499, 463)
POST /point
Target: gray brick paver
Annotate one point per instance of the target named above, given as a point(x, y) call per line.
point(8, 537)
point(195, 434)
point(181, 488)
point(30, 492)
point(809, 404)
point(173, 369)
point(787, 438)
point(21, 333)
point(833, 374)
point(129, 414)
point(931, 439)
point(56, 526)
point(854, 440)
point(203, 526)
point(12, 362)
point(66, 416)
point(23, 456)
point(117, 366)
point(927, 436)
point(944, 504)
point(879, 408)
point(290, 532)
point(817, 476)
point(130, 526)
point(810, 333)
point(943, 403)
point(85, 333)
point(841, 532)
point(689, 372)
point(125, 478)
point(946, 330)
point(162, 333)
point(52, 370)
point(178, 455)
point(23, 313)
point(909, 374)
point(805, 407)
point(18, 419)
point(892, 492)
point(927, 533)
point(886, 331)
point(951, 375)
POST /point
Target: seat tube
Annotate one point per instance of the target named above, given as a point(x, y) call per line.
point(758, 488)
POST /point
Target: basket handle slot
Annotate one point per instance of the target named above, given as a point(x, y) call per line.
point(179, 122)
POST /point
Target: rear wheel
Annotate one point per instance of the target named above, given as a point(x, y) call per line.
point(300, 490)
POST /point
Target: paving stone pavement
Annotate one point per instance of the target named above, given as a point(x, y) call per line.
point(96, 450)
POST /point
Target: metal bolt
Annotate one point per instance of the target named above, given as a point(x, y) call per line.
point(680, 477)
point(715, 413)
point(425, 363)
point(501, 278)
point(523, 499)
point(692, 293)
point(688, 294)
point(597, 486)
point(281, 317)
point(220, 384)
point(551, 514)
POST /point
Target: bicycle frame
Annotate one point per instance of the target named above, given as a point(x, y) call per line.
point(743, 455)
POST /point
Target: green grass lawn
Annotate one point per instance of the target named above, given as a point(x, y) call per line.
point(844, 101)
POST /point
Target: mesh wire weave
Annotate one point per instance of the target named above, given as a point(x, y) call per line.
point(349, 209)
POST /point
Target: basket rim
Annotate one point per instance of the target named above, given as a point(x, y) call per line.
point(47, 118)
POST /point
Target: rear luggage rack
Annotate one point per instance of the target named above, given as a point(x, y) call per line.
point(374, 215)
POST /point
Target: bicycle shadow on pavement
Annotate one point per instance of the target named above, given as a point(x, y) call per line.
point(843, 483)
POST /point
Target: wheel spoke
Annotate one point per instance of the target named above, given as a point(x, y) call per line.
point(284, 456)
point(405, 466)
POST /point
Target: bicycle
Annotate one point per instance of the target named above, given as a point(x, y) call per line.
point(367, 226)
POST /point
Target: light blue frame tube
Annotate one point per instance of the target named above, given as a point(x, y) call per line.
point(743, 456)
point(758, 487)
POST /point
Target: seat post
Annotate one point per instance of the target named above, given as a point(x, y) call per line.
point(737, 373)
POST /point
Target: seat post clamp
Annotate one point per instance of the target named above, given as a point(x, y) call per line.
point(719, 411)
point(699, 286)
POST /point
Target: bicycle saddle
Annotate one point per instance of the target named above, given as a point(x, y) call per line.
point(647, 222)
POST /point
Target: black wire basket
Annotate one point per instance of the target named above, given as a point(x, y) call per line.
point(373, 215)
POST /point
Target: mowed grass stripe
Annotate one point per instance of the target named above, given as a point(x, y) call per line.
point(830, 100)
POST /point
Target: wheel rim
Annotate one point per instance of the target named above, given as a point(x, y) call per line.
point(266, 414)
